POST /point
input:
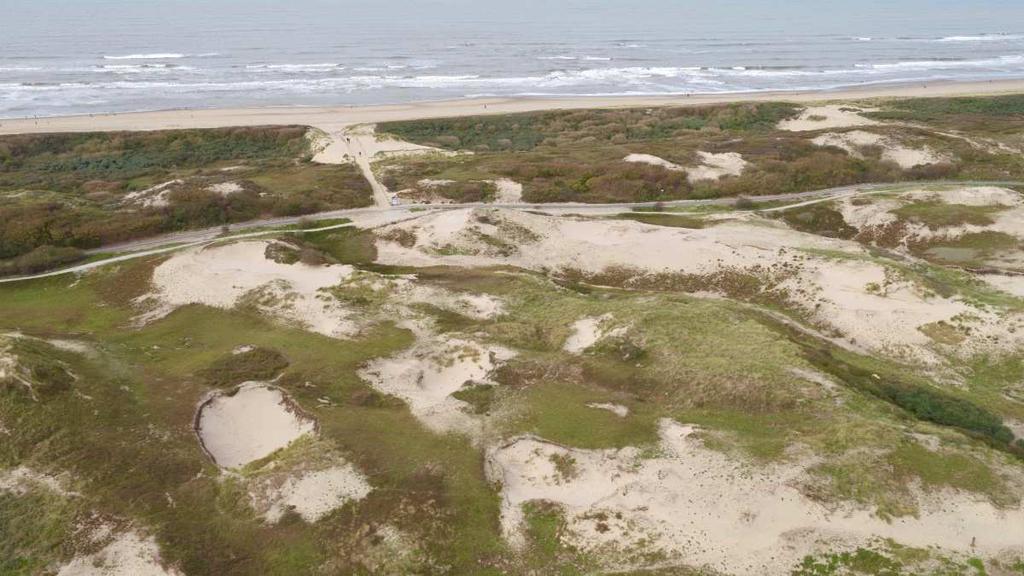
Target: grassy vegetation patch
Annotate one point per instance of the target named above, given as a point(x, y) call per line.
point(523, 132)
point(922, 401)
point(888, 558)
point(937, 214)
point(558, 412)
point(479, 396)
point(36, 529)
point(972, 249)
point(545, 531)
point(672, 220)
point(243, 365)
point(948, 109)
point(822, 219)
point(343, 245)
point(950, 470)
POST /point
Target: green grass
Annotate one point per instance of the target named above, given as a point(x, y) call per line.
point(242, 366)
point(344, 245)
point(559, 413)
point(34, 527)
point(937, 214)
point(947, 109)
point(957, 471)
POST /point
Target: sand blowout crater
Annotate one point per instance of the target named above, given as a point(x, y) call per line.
point(250, 424)
point(230, 275)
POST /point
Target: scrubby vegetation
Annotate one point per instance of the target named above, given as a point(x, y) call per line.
point(112, 417)
point(577, 155)
point(41, 258)
point(86, 190)
point(958, 111)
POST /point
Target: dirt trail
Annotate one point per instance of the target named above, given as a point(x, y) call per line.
point(360, 144)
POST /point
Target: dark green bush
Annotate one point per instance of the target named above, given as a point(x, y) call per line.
point(40, 259)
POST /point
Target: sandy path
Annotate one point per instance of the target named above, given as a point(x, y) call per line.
point(361, 145)
point(373, 217)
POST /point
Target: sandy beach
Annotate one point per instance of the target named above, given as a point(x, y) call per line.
point(331, 119)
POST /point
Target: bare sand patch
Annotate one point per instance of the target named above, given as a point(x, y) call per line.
point(715, 166)
point(128, 554)
point(841, 293)
point(893, 151)
point(968, 196)
point(360, 144)
point(250, 424)
point(225, 188)
point(509, 191)
point(653, 161)
point(437, 366)
point(588, 331)
point(1013, 285)
point(11, 369)
point(712, 166)
point(223, 276)
point(362, 141)
point(22, 480)
point(476, 306)
point(617, 409)
point(430, 183)
point(154, 196)
point(699, 507)
point(827, 117)
point(312, 494)
point(880, 213)
point(66, 345)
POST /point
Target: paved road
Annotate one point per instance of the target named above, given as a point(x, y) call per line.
point(178, 240)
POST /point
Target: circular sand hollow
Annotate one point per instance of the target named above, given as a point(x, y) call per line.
point(254, 422)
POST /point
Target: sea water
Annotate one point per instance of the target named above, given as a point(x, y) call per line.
point(89, 56)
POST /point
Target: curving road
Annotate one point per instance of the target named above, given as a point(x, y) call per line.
point(179, 240)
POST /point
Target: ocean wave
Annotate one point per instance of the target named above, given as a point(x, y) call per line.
point(950, 64)
point(982, 38)
point(155, 56)
point(142, 68)
point(297, 67)
point(658, 78)
point(573, 58)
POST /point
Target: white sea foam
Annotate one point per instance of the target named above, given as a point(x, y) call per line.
point(156, 56)
point(297, 67)
point(983, 38)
